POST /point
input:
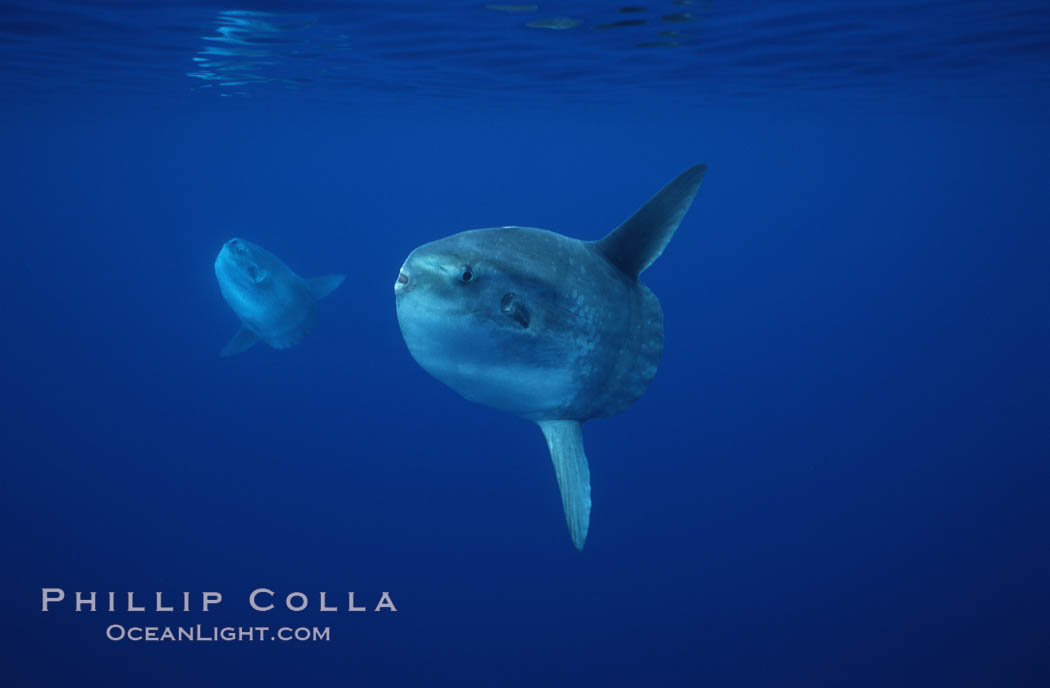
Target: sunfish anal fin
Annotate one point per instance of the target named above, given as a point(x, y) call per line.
point(244, 339)
point(321, 287)
point(565, 441)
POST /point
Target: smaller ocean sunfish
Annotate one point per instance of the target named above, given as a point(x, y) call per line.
point(274, 304)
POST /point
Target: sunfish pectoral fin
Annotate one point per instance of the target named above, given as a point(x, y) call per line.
point(321, 287)
point(244, 339)
point(565, 441)
point(634, 245)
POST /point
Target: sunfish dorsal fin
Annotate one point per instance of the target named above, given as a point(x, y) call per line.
point(321, 287)
point(565, 441)
point(634, 245)
point(244, 339)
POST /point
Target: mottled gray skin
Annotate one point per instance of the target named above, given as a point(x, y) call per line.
point(274, 304)
point(592, 340)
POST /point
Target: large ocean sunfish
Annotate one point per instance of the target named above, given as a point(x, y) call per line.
point(546, 327)
point(275, 305)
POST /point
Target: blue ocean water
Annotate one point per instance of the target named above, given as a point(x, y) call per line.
point(837, 477)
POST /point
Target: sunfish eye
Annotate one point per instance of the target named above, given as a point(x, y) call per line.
point(466, 274)
point(255, 273)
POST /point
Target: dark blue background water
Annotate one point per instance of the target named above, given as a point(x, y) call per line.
point(839, 475)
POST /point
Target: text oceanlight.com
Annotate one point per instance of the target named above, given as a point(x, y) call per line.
point(201, 633)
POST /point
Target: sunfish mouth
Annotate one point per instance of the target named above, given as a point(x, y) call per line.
point(402, 279)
